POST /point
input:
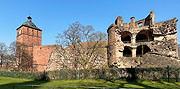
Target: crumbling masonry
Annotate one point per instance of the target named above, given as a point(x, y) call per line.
point(130, 42)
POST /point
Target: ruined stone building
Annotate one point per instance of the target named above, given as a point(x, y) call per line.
point(143, 39)
point(142, 43)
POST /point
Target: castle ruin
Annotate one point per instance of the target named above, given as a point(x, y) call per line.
point(141, 43)
point(138, 39)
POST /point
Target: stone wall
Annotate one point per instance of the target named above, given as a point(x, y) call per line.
point(61, 60)
point(41, 56)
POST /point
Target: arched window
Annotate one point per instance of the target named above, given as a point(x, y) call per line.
point(141, 50)
point(144, 36)
point(127, 52)
point(126, 37)
point(20, 32)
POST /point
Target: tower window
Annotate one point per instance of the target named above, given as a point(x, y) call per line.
point(20, 32)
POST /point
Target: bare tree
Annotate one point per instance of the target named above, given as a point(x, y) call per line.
point(81, 47)
point(23, 57)
point(11, 57)
point(3, 53)
point(12, 49)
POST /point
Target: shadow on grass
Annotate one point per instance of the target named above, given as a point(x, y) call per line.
point(106, 83)
point(140, 84)
point(133, 84)
point(120, 84)
point(12, 85)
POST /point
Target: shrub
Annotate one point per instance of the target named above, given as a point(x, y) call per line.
point(42, 77)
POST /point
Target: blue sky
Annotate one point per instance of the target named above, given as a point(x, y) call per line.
point(54, 16)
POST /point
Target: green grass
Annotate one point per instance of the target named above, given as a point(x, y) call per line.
point(7, 83)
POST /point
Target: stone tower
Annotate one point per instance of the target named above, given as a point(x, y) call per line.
point(28, 34)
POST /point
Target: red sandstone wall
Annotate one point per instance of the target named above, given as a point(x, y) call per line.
point(41, 56)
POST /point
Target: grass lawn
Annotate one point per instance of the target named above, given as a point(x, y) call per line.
point(7, 83)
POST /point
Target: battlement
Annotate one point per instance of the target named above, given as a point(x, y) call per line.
point(148, 21)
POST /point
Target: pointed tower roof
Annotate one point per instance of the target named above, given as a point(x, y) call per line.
point(30, 24)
